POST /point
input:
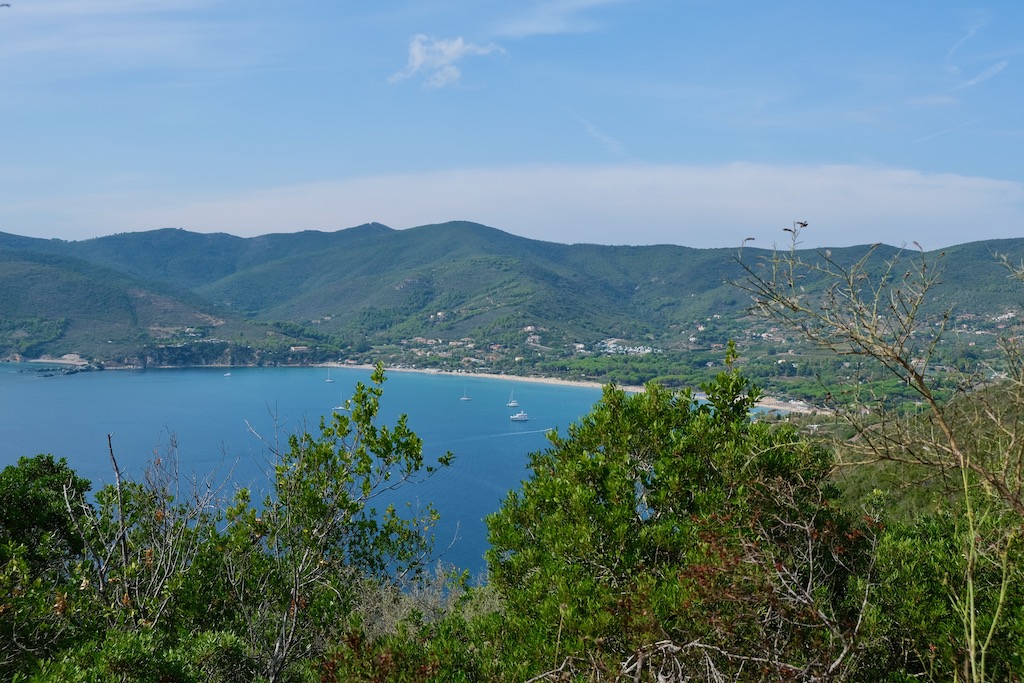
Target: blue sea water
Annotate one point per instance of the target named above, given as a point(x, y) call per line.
point(215, 419)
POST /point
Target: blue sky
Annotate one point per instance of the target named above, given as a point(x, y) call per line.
point(692, 122)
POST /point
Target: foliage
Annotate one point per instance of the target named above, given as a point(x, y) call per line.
point(33, 512)
point(924, 586)
point(38, 546)
point(882, 318)
point(965, 435)
point(661, 524)
point(26, 336)
point(162, 579)
point(290, 567)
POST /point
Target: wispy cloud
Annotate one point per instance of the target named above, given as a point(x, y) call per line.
point(436, 60)
point(940, 133)
point(932, 101)
point(611, 145)
point(990, 72)
point(76, 9)
point(118, 35)
point(971, 32)
point(552, 17)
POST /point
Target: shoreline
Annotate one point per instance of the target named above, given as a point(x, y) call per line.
point(72, 359)
point(767, 403)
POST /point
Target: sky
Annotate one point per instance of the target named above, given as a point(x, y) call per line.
point(693, 122)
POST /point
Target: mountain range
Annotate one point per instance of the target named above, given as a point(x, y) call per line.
point(177, 297)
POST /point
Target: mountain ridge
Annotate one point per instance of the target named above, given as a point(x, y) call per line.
point(374, 287)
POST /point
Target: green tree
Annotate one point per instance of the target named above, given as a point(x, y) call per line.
point(922, 570)
point(294, 566)
point(38, 548)
point(140, 540)
point(172, 582)
point(663, 536)
point(33, 511)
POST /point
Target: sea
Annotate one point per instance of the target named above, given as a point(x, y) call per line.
point(225, 425)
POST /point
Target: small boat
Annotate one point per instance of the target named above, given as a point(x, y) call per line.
point(465, 396)
point(521, 416)
point(328, 376)
point(227, 374)
point(512, 402)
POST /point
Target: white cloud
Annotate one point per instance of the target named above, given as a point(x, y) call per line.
point(714, 206)
point(436, 59)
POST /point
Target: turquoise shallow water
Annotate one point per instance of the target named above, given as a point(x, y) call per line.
point(213, 417)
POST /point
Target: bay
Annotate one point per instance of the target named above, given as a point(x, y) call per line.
point(215, 419)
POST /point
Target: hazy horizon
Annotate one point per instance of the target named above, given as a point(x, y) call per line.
point(784, 241)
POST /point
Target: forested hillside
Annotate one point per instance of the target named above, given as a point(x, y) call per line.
point(454, 296)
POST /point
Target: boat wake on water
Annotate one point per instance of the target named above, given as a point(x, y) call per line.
point(500, 435)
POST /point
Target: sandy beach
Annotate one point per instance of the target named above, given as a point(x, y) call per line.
point(66, 359)
point(768, 403)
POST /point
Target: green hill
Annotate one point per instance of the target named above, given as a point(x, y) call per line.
point(54, 304)
point(136, 295)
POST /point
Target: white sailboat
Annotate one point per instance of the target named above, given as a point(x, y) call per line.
point(328, 380)
point(512, 402)
point(465, 395)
